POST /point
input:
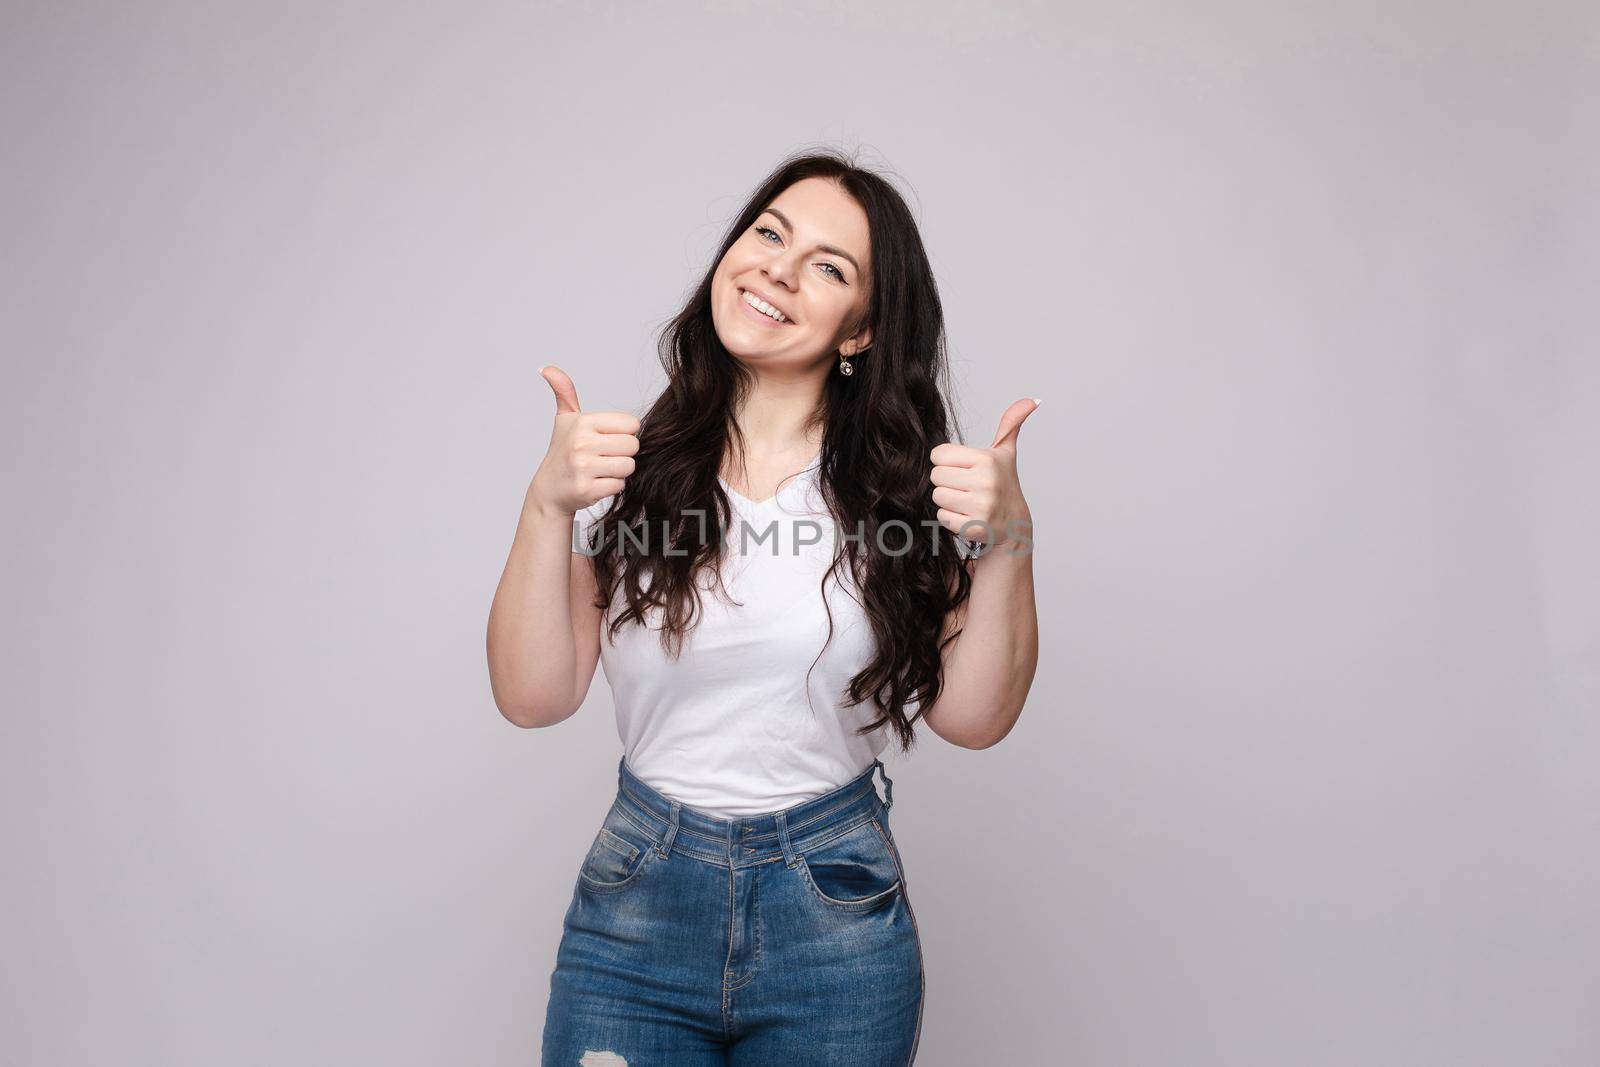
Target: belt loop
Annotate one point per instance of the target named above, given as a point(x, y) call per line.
point(665, 848)
point(789, 859)
point(888, 784)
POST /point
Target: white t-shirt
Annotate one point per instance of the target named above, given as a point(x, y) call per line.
point(726, 728)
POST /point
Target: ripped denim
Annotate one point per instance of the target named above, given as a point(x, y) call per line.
point(784, 938)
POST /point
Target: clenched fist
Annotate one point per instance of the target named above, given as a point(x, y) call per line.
point(977, 489)
point(590, 454)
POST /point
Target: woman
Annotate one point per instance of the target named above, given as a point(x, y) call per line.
point(771, 557)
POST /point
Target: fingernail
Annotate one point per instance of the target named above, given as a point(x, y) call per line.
point(1036, 401)
point(541, 369)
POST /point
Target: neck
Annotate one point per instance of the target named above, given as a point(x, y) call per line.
point(775, 419)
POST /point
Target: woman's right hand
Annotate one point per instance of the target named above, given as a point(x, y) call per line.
point(590, 454)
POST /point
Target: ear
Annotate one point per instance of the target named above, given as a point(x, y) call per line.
point(857, 344)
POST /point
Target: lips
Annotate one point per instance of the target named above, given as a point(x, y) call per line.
point(770, 302)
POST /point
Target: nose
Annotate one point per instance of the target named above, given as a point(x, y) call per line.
point(783, 269)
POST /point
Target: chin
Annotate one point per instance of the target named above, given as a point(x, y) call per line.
point(746, 356)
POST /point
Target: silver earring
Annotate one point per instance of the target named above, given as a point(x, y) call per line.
point(844, 366)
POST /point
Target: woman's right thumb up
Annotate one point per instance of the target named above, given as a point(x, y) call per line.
point(561, 385)
point(591, 454)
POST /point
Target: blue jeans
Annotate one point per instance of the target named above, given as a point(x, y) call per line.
point(777, 939)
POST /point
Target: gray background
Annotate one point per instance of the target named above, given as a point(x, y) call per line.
point(1309, 771)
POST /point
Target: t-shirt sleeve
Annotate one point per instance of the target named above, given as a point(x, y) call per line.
point(583, 521)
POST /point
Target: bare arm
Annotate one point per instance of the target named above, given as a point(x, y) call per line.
point(989, 669)
point(544, 630)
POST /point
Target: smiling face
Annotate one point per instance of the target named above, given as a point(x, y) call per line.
point(808, 255)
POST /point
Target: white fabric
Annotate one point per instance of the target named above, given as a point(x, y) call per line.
point(726, 728)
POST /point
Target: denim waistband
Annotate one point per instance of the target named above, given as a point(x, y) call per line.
point(754, 838)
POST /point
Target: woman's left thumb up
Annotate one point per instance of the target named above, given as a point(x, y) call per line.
point(1011, 422)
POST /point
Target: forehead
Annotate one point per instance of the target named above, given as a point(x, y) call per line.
point(823, 213)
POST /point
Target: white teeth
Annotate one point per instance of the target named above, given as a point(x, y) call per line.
point(763, 307)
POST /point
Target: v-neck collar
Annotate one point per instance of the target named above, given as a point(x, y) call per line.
point(786, 487)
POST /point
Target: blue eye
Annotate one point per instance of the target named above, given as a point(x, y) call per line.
point(766, 231)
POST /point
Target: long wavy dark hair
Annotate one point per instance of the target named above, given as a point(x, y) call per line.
point(878, 426)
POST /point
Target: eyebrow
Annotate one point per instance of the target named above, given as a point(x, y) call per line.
point(831, 249)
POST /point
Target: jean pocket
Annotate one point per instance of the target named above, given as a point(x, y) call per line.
point(854, 872)
point(615, 859)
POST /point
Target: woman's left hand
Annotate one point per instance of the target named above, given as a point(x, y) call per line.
point(977, 490)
